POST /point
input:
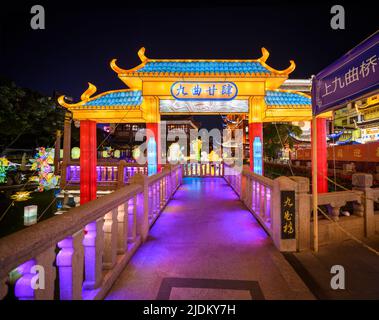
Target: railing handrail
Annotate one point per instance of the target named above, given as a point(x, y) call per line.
point(247, 172)
point(108, 163)
point(35, 239)
point(262, 179)
point(165, 172)
point(327, 197)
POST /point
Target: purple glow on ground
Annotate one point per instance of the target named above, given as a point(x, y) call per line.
point(204, 232)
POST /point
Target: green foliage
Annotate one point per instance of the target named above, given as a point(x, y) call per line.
point(27, 118)
point(273, 137)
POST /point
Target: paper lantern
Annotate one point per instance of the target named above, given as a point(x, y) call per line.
point(75, 153)
point(151, 156)
point(30, 215)
point(257, 147)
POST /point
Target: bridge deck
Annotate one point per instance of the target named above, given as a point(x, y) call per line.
point(207, 245)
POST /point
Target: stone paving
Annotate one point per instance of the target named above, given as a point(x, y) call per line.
point(207, 245)
point(361, 269)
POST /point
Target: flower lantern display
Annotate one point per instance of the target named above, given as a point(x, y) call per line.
point(43, 163)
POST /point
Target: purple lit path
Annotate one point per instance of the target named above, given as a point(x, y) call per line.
point(205, 232)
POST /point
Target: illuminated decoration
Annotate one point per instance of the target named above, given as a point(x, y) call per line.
point(155, 83)
point(105, 154)
point(4, 163)
point(136, 153)
point(151, 156)
point(208, 106)
point(75, 153)
point(257, 147)
point(21, 196)
point(108, 152)
point(175, 153)
point(204, 156)
point(196, 149)
point(30, 215)
point(154, 79)
point(117, 154)
point(204, 90)
point(214, 157)
point(43, 163)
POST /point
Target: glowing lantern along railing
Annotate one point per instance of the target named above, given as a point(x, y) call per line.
point(90, 246)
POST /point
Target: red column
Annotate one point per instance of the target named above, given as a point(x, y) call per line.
point(322, 156)
point(255, 130)
point(88, 161)
point(155, 130)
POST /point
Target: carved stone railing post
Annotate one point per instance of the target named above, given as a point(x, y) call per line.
point(46, 260)
point(122, 228)
point(363, 182)
point(303, 209)
point(70, 261)
point(141, 207)
point(93, 254)
point(37, 277)
point(110, 239)
point(23, 288)
point(121, 173)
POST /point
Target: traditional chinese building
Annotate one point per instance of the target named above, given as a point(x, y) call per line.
point(164, 87)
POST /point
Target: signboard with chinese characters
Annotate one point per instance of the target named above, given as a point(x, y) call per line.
point(204, 90)
point(207, 106)
point(368, 152)
point(354, 75)
point(287, 214)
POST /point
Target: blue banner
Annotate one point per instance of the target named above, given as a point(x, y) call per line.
point(354, 75)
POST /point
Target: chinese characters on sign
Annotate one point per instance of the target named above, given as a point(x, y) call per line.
point(287, 209)
point(366, 69)
point(191, 90)
point(351, 77)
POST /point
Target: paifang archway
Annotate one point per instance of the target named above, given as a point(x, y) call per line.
point(156, 87)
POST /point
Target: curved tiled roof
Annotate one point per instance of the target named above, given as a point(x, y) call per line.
point(285, 98)
point(117, 98)
point(206, 67)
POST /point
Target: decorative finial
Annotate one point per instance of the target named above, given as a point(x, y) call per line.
point(265, 54)
point(141, 55)
point(89, 92)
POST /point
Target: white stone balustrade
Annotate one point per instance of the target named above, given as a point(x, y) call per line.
point(110, 175)
point(90, 245)
point(261, 196)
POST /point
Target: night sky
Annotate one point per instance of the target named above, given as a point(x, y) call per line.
point(80, 40)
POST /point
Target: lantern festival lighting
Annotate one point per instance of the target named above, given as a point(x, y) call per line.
point(43, 163)
point(30, 215)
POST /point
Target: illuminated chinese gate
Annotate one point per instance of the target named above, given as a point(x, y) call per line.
point(176, 86)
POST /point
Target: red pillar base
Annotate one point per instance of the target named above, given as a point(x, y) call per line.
point(322, 156)
point(255, 130)
point(88, 161)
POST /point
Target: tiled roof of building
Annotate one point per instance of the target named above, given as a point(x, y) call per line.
point(206, 67)
point(285, 98)
point(131, 98)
